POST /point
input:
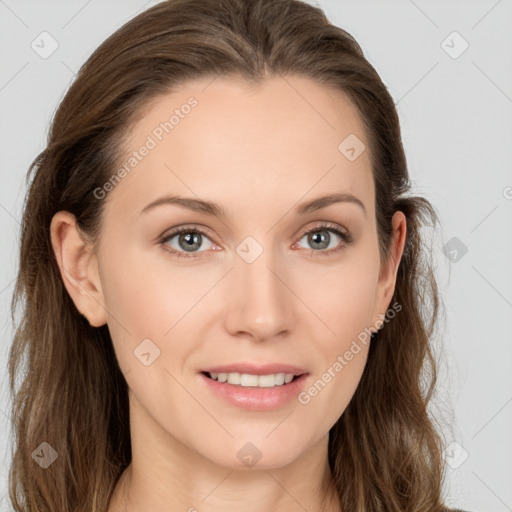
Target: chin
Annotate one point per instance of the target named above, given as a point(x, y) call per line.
point(254, 455)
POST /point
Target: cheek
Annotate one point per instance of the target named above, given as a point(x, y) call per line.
point(144, 292)
point(344, 305)
point(331, 391)
point(341, 296)
point(343, 349)
point(154, 299)
point(138, 303)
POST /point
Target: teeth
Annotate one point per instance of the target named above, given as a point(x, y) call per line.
point(246, 379)
point(233, 378)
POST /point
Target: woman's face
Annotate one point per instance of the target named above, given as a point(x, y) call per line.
point(269, 282)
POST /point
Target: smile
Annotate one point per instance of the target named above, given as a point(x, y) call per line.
point(251, 380)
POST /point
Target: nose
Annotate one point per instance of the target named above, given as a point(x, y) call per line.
point(260, 303)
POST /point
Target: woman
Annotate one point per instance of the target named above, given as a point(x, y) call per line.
point(227, 301)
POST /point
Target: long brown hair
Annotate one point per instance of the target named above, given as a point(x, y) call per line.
point(385, 452)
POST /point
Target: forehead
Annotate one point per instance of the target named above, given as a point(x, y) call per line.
point(276, 140)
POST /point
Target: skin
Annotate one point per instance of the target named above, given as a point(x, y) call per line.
point(258, 152)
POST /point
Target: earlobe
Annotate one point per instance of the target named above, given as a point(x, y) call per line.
point(78, 268)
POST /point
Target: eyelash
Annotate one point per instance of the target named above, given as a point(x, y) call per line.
point(345, 236)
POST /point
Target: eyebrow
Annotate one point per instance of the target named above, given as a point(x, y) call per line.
point(216, 210)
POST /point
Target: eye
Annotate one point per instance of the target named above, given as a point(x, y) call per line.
point(319, 238)
point(188, 239)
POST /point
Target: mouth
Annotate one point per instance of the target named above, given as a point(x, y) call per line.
point(252, 380)
point(260, 390)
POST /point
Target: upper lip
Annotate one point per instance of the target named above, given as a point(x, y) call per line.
point(254, 369)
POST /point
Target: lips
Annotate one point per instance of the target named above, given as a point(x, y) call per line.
point(254, 369)
point(255, 399)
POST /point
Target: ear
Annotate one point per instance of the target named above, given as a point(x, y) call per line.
point(388, 271)
point(78, 267)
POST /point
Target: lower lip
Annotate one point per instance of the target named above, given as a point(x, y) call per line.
point(254, 398)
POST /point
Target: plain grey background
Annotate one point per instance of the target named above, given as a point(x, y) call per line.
point(448, 65)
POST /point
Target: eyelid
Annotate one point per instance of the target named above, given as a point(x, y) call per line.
point(187, 228)
point(327, 226)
